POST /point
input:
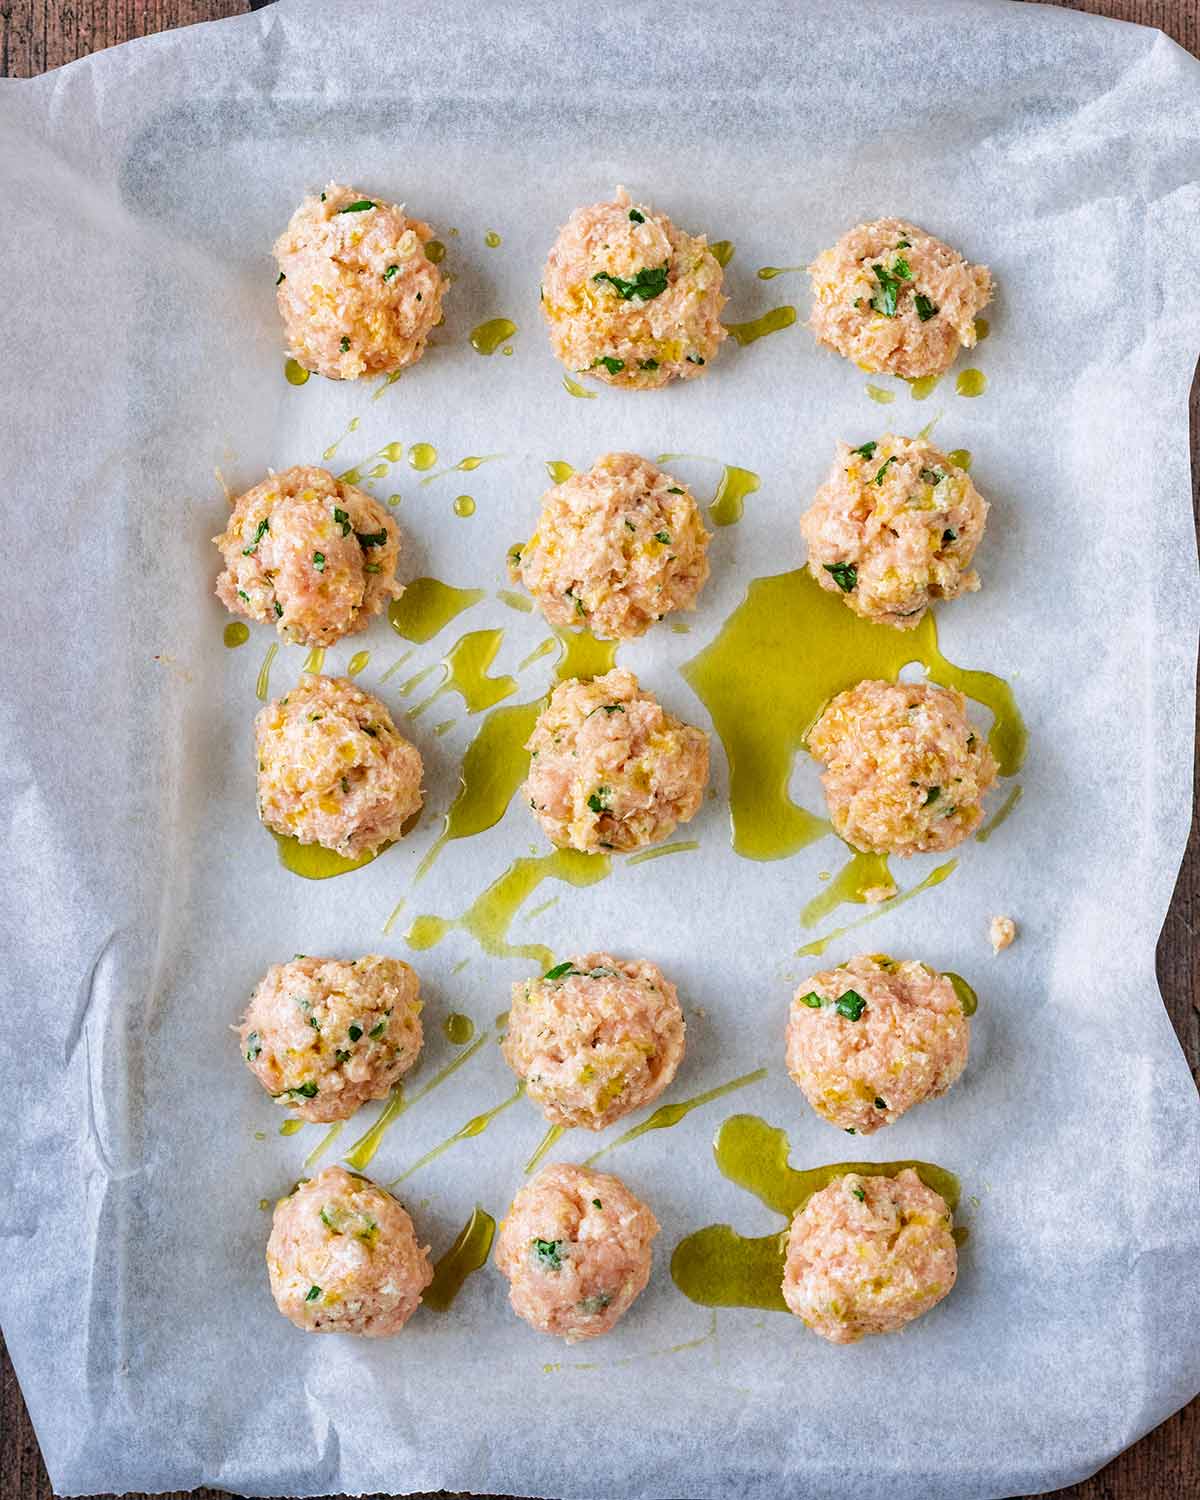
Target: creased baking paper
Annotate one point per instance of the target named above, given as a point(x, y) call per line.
point(143, 189)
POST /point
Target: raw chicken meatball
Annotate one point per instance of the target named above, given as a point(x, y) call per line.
point(895, 300)
point(333, 769)
point(324, 1036)
point(615, 549)
point(609, 769)
point(894, 527)
point(871, 1038)
point(356, 290)
point(868, 1254)
point(576, 1248)
point(905, 769)
point(594, 1038)
point(629, 298)
point(343, 1257)
point(310, 555)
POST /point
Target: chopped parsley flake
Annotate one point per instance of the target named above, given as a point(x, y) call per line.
point(845, 575)
point(880, 1103)
point(598, 801)
point(886, 465)
point(379, 1028)
point(547, 1254)
point(345, 344)
point(694, 359)
point(647, 364)
point(313, 1293)
point(812, 1000)
point(903, 244)
point(932, 476)
point(279, 278)
point(637, 217)
point(596, 1203)
point(253, 1046)
point(343, 520)
point(357, 207)
point(925, 308)
point(390, 272)
point(663, 536)
point(613, 365)
point(932, 795)
point(278, 610)
point(857, 1192)
point(305, 1090)
point(674, 490)
point(901, 268)
point(242, 594)
point(650, 281)
point(851, 1005)
point(595, 1303)
point(560, 971)
point(372, 538)
point(354, 1031)
point(319, 561)
point(949, 535)
point(263, 527)
point(867, 450)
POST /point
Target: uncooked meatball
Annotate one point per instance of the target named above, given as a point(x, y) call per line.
point(894, 527)
point(871, 1038)
point(324, 1036)
point(343, 1257)
point(594, 1038)
point(576, 1248)
point(615, 549)
point(868, 1254)
point(895, 300)
point(630, 299)
point(309, 554)
point(356, 290)
point(905, 769)
point(333, 769)
point(609, 769)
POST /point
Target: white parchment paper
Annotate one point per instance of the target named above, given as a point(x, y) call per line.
point(142, 190)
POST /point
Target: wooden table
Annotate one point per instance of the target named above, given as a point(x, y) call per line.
point(36, 35)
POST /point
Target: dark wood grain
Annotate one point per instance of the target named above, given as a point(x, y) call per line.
point(39, 34)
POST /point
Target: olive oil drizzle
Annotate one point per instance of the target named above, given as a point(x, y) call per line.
point(769, 273)
point(861, 873)
point(467, 1254)
point(728, 503)
point(880, 394)
point(554, 1133)
point(475, 1126)
point(466, 465)
point(923, 386)
point(935, 877)
point(671, 1114)
point(573, 388)
point(492, 913)
point(465, 667)
point(357, 663)
point(323, 1144)
point(262, 685)
point(314, 862)
point(364, 1148)
point(780, 656)
point(1001, 814)
point(773, 321)
point(515, 601)
point(558, 469)
point(716, 1266)
point(314, 661)
point(682, 846)
point(295, 373)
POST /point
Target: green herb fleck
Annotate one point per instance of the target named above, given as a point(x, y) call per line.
point(845, 575)
point(242, 594)
point(883, 470)
point(357, 207)
point(857, 1192)
point(932, 795)
point(637, 217)
point(901, 268)
point(263, 527)
point(345, 344)
point(595, 1303)
point(611, 364)
point(647, 364)
point(279, 278)
point(596, 1203)
point(278, 610)
point(305, 1090)
point(663, 536)
point(313, 1293)
point(253, 1046)
point(932, 476)
point(390, 272)
point(851, 1005)
point(598, 800)
point(812, 1000)
point(354, 1031)
point(379, 1028)
point(340, 1056)
point(694, 359)
point(884, 301)
point(903, 244)
point(319, 561)
point(880, 1103)
point(674, 490)
point(560, 971)
point(372, 538)
point(949, 535)
point(925, 308)
point(343, 520)
point(650, 281)
point(547, 1254)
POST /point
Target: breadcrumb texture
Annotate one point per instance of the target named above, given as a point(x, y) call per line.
point(324, 1036)
point(309, 554)
point(1002, 932)
point(597, 1041)
point(631, 300)
point(868, 1255)
point(909, 1043)
point(343, 1257)
point(609, 769)
point(871, 289)
point(615, 549)
point(894, 529)
point(333, 769)
point(905, 769)
point(576, 1248)
point(358, 296)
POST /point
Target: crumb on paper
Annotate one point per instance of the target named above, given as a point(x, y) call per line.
point(876, 893)
point(1001, 932)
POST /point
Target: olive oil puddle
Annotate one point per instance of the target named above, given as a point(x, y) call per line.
point(323, 1145)
point(473, 1127)
point(757, 328)
point(465, 668)
point(718, 1267)
point(861, 877)
point(314, 662)
point(558, 469)
point(728, 504)
point(329, 452)
point(970, 383)
point(486, 338)
point(671, 1114)
point(357, 663)
point(573, 388)
point(780, 656)
point(515, 601)
point(458, 1028)
point(314, 862)
point(935, 877)
point(235, 634)
point(496, 762)
point(363, 1150)
point(490, 916)
point(426, 607)
point(295, 373)
point(464, 506)
point(880, 394)
point(467, 1254)
point(723, 251)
